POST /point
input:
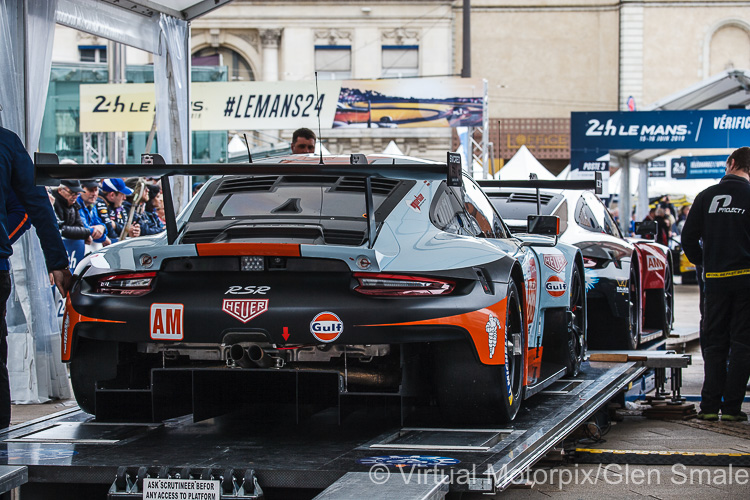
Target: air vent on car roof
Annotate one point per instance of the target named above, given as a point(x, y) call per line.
point(380, 186)
point(343, 237)
point(204, 236)
point(243, 184)
point(523, 197)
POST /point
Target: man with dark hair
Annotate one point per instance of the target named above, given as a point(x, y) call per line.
point(720, 213)
point(17, 175)
point(303, 141)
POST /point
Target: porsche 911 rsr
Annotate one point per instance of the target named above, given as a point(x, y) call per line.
point(304, 284)
point(629, 281)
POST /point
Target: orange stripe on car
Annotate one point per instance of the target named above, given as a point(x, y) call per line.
point(70, 319)
point(275, 249)
point(474, 322)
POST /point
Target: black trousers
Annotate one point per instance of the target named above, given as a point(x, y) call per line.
point(4, 380)
point(725, 337)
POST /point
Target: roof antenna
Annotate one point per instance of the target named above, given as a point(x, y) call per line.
point(247, 145)
point(320, 139)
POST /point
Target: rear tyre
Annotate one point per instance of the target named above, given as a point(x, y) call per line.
point(468, 391)
point(92, 361)
point(576, 345)
point(667, 304)
point(632, 336)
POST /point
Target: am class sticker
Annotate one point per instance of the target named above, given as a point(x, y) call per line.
point(326, 327)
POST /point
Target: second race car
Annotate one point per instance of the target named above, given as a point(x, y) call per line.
point(629, 281)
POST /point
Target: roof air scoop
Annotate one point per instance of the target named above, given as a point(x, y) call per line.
point(290, 206)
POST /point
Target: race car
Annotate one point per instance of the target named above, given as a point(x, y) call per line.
point(314, 280)
point(629, 281)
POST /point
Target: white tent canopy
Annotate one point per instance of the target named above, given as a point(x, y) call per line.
point(521, 165)
point(392, 149)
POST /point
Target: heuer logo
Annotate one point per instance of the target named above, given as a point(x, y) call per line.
point(245, 309)
point(326, 327)
point(166, 321)
point(555, 262)
point(653, 263)
point(555, 286)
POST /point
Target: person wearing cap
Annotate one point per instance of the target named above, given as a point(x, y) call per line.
point(17, 175)
point(66, 209)
point(148, 225)
point(89, 216)
point(114, 192)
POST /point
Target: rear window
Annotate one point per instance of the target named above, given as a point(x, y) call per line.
point(298, 198)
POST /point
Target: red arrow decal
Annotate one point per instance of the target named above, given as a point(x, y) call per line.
point(285, 334)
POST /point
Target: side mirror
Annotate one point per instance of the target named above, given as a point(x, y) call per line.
point(646, 228)
point(543, 224)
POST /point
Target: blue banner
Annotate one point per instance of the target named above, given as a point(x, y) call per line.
point(699, 167)
point(660, 129)
point(75, 249)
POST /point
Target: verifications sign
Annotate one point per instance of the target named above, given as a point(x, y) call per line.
point(660, 129)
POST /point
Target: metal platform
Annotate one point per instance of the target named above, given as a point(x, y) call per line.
point(71, 448)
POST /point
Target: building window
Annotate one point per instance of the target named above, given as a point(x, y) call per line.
point(333, 62)
point(239, 69)
point(93, 53)
point(400, 61)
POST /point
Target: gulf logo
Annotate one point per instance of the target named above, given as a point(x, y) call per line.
point(555, 286)
point(326, 326)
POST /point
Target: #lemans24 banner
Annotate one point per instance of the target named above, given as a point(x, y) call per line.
point(417, 102)
point(699, 167)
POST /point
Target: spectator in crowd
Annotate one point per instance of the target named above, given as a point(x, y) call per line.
point(684, 211)
point(197, 187)
point(719, 213)
point(17, 175)
point(114, 192)
point(66, 210)
point(663, 226)
point(651, 215)
point(303, 141)
point(89, 215)
point(666, 203)
point(155, 204)
point(147, 224)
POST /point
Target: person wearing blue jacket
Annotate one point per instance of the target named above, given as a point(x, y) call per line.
point(17, 175)
point(89, 214)
point(18, 219)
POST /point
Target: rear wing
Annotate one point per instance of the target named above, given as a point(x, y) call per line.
point(49, 172)
point(595, 184)
point(537, 184)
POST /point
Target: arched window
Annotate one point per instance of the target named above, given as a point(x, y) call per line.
point(729, 48)
point(239, 69)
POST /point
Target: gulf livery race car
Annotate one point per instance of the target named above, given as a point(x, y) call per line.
point(315, 281)
point(629, 281)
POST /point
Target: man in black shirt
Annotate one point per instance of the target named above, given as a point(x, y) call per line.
point(720, 219)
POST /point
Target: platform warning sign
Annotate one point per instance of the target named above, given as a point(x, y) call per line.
point(181, 489)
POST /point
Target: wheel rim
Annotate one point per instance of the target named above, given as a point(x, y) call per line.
point(577, 308)
point(633, 308)
point(515, 361)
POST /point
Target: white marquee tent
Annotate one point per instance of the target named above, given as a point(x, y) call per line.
point(521, 165)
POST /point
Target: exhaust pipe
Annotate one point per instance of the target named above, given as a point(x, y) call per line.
point(239, 355)
point(257, 355)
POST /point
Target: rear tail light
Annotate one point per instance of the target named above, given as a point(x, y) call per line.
point(126, 284)
point(390, 285)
